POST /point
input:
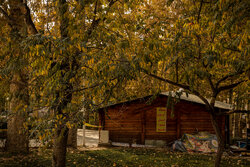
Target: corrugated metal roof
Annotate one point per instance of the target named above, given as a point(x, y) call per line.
point(196, 99)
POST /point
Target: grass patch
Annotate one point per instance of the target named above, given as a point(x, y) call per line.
point(121, 157)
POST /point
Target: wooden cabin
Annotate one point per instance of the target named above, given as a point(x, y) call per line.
point(137, 121)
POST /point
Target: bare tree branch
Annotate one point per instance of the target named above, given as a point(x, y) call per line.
point(26, 12)
point(226, 87)
point(28, 19)
point(211, 83)
point(95, 21)
point(227, 77)
point(168, 81)
point(232, 49)
point(186, 87)
point(235, 111)
point(224, 78)
point(199, 13)
point(210, 79)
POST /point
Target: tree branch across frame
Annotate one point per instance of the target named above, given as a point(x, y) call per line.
point(186, 87)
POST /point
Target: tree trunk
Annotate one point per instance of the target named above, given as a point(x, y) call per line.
point(17, 140)
point(17, 137)
point(65, 96)
point(72, 137)
point(219, 139)
point(60, 147)
point(17, 134)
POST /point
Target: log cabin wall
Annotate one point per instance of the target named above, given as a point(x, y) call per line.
point(135, 121)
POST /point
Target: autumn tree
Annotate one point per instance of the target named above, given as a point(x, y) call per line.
point(16, 25)
point(204, 44)
point(62, 70)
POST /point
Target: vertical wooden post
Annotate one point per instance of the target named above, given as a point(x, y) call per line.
point(101, 119)
point(100, 126)
point(248, 115)
point(83, 135)
point(143, 127)
point(230, 128)
point(101, 122)
point(178, 124)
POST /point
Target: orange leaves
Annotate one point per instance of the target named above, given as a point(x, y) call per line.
point(90, 62)
point(69, 125)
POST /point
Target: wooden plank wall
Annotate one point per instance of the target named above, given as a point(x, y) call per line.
point(193, 117)
point(124, 123)
point(136, 121)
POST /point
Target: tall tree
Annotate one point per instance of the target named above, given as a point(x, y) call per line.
point(65, 93)
point(16, 19)
point(60, 60)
